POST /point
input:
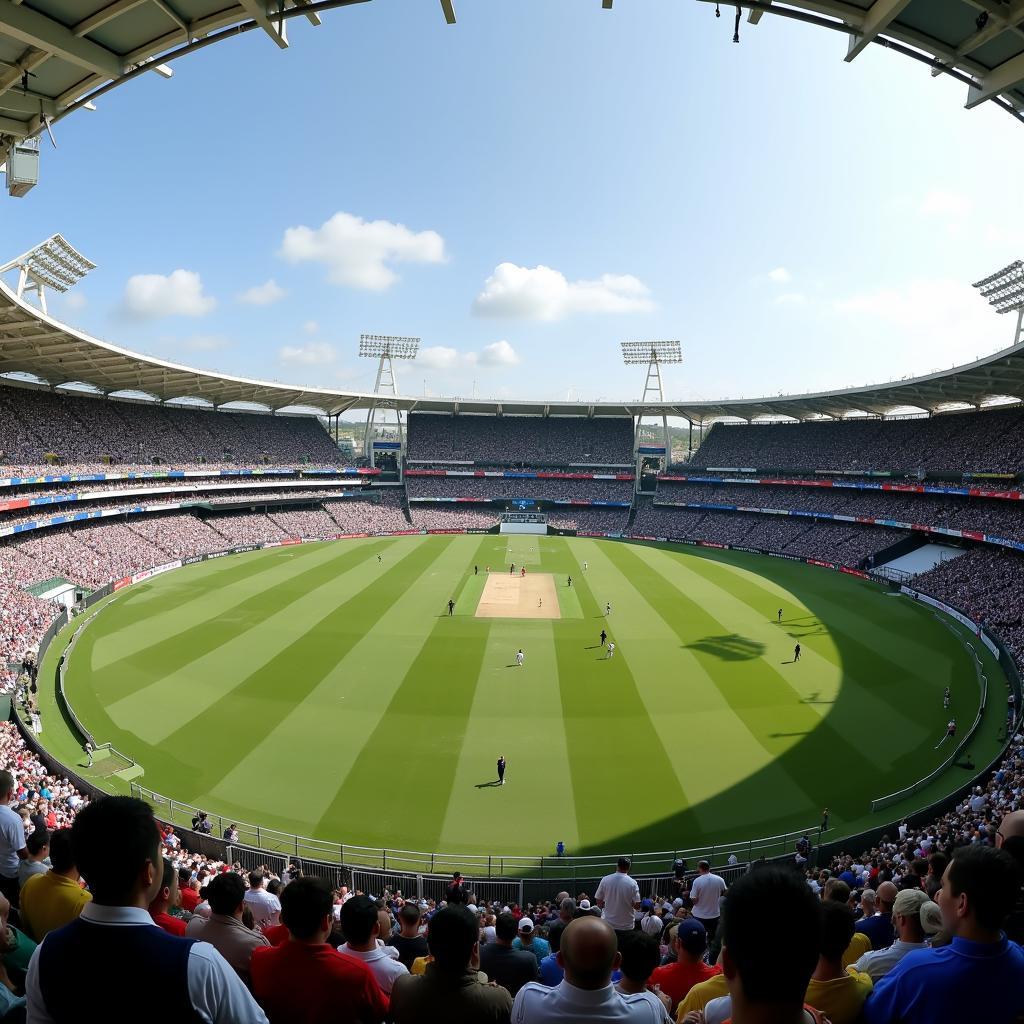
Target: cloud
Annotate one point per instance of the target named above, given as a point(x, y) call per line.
point(780, 275)
point(498, 353)
point(540, 293)
point(944, 203)
point(149, 296)
point(263, 294)
point(443, 357)
point(310, 327)
point(438, 357)
point(314, 353)
point(357, 252)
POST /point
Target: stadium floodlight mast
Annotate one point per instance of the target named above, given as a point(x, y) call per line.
point(654, 354)
point(1004, 292)
point(54, 264)
point(385, 348)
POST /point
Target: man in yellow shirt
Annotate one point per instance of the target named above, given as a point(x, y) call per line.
point(837, 993)
point(53, 900)
point(700, 995)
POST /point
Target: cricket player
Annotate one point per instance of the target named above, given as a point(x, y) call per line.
point(608, 608)
point(950, 733)
point(604, 637)
point(945, 698)
point(611, 649)
point(796, 653)
point(520, 657)
point(780, 615)
point(501, 769)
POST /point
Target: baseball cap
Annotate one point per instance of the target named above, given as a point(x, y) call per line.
point(525, 924)
point(908, 902)
point(584, 904)
point(931, 918)
point(692, 935)
point(647, 904)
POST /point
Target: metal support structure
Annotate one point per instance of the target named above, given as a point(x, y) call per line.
point(1004, 292)
point(51, 264)
point(654, 354)
point(385, 349)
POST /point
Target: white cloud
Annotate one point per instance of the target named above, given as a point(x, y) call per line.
point(438, 357)
point(315, 353)
point(780, 275)
point(310, 327)
point(541, 293)
point(357, 252)
point(498, 353)
point(148, 296)
point(263, 294)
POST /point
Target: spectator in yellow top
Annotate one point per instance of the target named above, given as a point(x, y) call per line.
point(53, 900)
point(835, 992)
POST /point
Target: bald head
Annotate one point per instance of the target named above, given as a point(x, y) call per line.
point(887, 893)
point(1011, 825)
point(588, 953)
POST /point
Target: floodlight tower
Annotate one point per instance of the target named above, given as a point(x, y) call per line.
point(52, 264)
point(1004, 291)
point(654, 354)
point(385, 348)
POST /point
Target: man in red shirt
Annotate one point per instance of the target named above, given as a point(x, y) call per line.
point(166, 898)
point(306, 981)
point(688, 942)
point(188, 890)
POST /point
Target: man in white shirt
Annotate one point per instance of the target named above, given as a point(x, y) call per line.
point(12, 840)
point(587, 954)
point(907, 919)
point(265, 906)
point(706, 892)
point(618, 896)
point(361, 926)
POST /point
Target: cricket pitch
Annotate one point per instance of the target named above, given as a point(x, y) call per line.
point(532, 596)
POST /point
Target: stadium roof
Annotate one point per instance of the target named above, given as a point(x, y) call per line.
point(57, 56)
point(33, 343)
point(978, 42)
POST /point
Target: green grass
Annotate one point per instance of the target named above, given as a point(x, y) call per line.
point(318, 691)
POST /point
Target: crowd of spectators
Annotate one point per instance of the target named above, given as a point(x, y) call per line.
point(530, 440)
point(487, 488)
point(452, 517)
point(85, 430)
point(991, 441)
point(589, 520)
point(382, 512)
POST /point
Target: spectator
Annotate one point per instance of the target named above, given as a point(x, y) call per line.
point(706, 892)
point(980, 974)
point(833, 991)
point(640, 954)
point(618, 896)
point(588, 954)
point(451, 989)
point(688, 941)
point(510, 968)
point(12, 840)
point(528, 941)
point(69, 976)
point(907, 919)
point(188, 890)
point(53, 900)
point(166, 898)
point(361, 925)
point(201, 823)
point(762, 986)
point(566, 913)
point(409, 942)
point(223, 929)
point(265, 906)
point(304, 980)
point(650, 922)
point(878, 928)
point(38, 860)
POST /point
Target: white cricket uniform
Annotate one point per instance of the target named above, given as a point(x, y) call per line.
point(519, 658)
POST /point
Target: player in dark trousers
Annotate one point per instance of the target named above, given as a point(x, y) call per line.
point(824, 820)
point(604, 637)
point(570, 581)
point(379, 559)
point(476, 570)
point(945, 697)
point(950, 733)
point(512, 569)
point(501, 769)
point(796, 653)
point(451, 607)
point(780, 615)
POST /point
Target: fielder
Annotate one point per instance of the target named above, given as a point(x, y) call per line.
point(611, 649)
point(520, 657)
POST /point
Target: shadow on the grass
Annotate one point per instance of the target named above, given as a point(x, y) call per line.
point(728, 647)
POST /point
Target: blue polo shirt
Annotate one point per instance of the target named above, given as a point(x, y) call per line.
point(878, 929)
point(964, 981)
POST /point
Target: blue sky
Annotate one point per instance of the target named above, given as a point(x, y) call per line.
point(530, 187)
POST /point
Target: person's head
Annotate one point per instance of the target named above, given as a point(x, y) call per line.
point(867, 902)
point(185, 879)
point(167, 895)
point(979, 889)
point(623, 864)
point(588, 953)
point(906, 915)
point(62, 858)
point(886, 894)
point(359, 922)
point(255, 879)
point(703, 867)
point(836, 891)
point(526, 930)
point(409, 919)
point(132, 874)
point(226, 894)
point(937, 864)
point(38, 844)
point(307, 909)
point(837, 927)
point(452, 938)
point(1011, 825)
point(753, 900)
point(640, 955)
point(567, 909)
point(505, 929)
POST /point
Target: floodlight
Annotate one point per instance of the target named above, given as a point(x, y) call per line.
point(638, 352)
point(383, 346)
point(54, 263)
point(1004, 290)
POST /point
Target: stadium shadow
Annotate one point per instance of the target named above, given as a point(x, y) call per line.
point(731, 647)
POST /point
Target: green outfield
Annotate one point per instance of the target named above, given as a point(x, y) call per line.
point(321, 691)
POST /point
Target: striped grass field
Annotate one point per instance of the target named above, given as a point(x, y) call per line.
point(321, 691)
